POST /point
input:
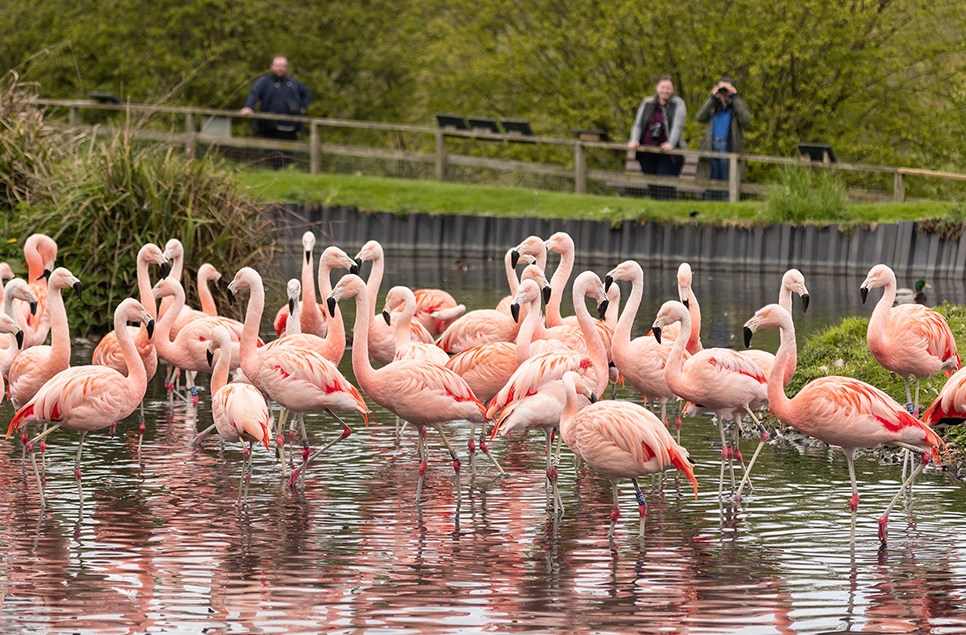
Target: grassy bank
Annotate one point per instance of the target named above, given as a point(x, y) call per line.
point(431, 197)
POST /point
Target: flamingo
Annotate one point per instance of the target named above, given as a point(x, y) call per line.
point(842, 411)
point(950, 404)
point(503, 306)
point(238, 409)
point(39, 252)
point(688, 299)
point(86, 398)
point(207, 273)
point(720, 380)
point(299, 380)
point(9, 325)
point(16, 289)
point(402, 301)
point(436, 309)
point(563, 244)
point(313, 318)
point(909, 339)
point(34, 366)
point(381, 339)
point(792, 282)
point(620, 439)
point(108, 350)
point(422, 393)
point(293, 291)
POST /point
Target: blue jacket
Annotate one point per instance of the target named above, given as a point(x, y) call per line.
point(282, 96)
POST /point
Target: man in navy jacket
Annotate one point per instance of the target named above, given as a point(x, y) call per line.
point(279, 93)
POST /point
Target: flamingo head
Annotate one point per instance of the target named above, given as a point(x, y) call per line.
point(174, 250)
point(794, 281)
point(671, 311)
point(768, 317)
point(293, 291)
point(348, 287)
point(531, 246)
point(372, 250)
point(308, 245)
point(685, 278)
point(207, 272)
point(18, 289)
point(879, 276)
point(167, 288)
point(560, 243)
point(335, 258)
point(151, 254)
point(9, 325)
point(6, 273)
point(61, 278)
point(245, 278)
point(220, 340)
point(627, 270)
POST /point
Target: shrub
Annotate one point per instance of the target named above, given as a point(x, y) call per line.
point(802, 195)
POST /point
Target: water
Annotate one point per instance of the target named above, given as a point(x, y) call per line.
point(161, 546)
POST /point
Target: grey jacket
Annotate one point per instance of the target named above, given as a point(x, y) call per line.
point(677, 112)
point(740, 118)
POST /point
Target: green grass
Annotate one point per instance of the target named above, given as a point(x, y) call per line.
point(401, 196)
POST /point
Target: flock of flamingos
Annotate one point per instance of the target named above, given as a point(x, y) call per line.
point(516, 366)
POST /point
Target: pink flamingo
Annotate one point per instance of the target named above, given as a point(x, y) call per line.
point(792, 282)
point(503, 306)
point(563, 244)
point(16, 289)
point(688, 299)
point(313, 317)
point(842, 411)
point(436, 309)
point(9, 325)
point(950, 404)
point(86, 398)
point(108, 351)
point(720, 380)
point(39, 252)
point(478, 327)
point(381, 341)
point(909, 339)
point(620, 439)
point(6, 273)
point(207, 272)
point(297, 379)
point(401, 302)
point(422, 393)
point(238, 409)
point(34, 366)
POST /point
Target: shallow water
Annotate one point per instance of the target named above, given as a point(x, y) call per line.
point(162, 547)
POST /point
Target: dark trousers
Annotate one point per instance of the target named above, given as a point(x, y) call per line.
point(278, 159)
point(663, 164)
point(719, 169)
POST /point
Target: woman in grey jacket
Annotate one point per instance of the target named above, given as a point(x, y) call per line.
point(660, 124)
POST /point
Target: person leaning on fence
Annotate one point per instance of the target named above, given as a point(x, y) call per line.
point(726, 115)
point(279, 93)
point(660, 124)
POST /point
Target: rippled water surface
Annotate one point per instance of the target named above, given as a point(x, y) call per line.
point(161, 545)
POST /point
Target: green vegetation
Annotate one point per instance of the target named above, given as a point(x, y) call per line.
point(802, 196)
point(101, 202)
point(405, 196)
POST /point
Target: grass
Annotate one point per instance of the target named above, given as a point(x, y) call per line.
point(402, 196)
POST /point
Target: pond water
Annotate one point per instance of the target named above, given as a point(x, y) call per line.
point(162, 547)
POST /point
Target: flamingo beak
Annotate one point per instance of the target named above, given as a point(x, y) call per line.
point(19, 339)
point(602, 308)
point(165, 269)
point(864, 292)
point(308, 257)
point(514, 258)
point(357, 267)
point(386, 317)
point(593, 398)
point(656, 330)
point(33, 308)
point(150, 328)
point(209, 356)
point(686, 303)
point(805, 303)
point(77, 287)
point(330, 303)
point(547, 292)
point(515, 311)
point(291, 306)
point(45, 274)
point(748, 333)
point(609, 280)
point(231, 297)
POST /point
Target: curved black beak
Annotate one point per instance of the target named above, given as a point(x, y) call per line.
point(150, 328)
point(748, 334)
point(805, 303)
point(45, 274)
point(308, 257)
point(602, 308)
point(20, 339)
point(387, 318)
point(514, 258)
point(291, 306)
point(687, 304)
point(33, 308)
point(656, 330)
point(356, 268)
point(165, 269)
point(609, 280)
point(330, 304)
point(593, 398)
point(231, 297)
point(78, 287)
point(515, 311)
point(210, 356)
point(547, 293)
point(864, 293)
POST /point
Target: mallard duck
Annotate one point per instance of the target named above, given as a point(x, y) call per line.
point(913, 296)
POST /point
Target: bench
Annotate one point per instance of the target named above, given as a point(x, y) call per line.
point(634, 179)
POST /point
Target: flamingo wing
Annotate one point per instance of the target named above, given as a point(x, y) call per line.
point(536, 371)
point(242, 407)
point(303, 380)
point(951, 402)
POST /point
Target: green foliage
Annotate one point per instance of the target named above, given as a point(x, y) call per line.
point(948, 226)
point(803, 195)
point(101, 205)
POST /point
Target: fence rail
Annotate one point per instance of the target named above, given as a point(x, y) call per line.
point(191, 134)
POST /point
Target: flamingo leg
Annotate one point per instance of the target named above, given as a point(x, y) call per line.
point(485, 449)
point(677, 420)
point(43, 434)
point(420, 451)
point(884, 519)
point(724, 456)
point(615, 513)
point(40, 484)
point(200, 437)
point(241, 481)
point(854, 502)
point(746, 478)
point(141, 428)
point(641, 506)
point(300, 471)
point(248, 469)
point(552, 474)
point(77, 470)
point(456, 468)
point(471, 448)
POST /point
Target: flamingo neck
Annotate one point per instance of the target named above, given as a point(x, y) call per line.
point(404, 321)
point(59, 329)
point(137, 376)
point(879, 321)
point(785, 299)
point(595, 345)
point(511, 274)
point(673, 369)
point(570, 407)
point(219, 374)
point(622, 334)
point(694, 332)
point(558, 283)
point(248, 346)
point(310, 313)
point(177, 268)
point(35, 262)
point(784, 365)
point(145, 294)
point(361, 366)
point(532, 328)
point(208, 306)
point(375, 278)
point(162, 335)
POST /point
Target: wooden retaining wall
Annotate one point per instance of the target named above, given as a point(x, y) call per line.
point(771, 248)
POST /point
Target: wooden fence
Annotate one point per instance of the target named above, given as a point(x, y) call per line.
point(196, 130)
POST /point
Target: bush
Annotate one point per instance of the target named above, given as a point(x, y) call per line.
point(802, 196)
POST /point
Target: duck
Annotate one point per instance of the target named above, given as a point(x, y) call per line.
point(912, 296)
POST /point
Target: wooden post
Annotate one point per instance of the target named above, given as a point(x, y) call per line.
point(189, 135)
point(899, 189)
point(580, 168)
point(315, 149)
point(72, 117)
point(440, 156)
point(734, 179)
